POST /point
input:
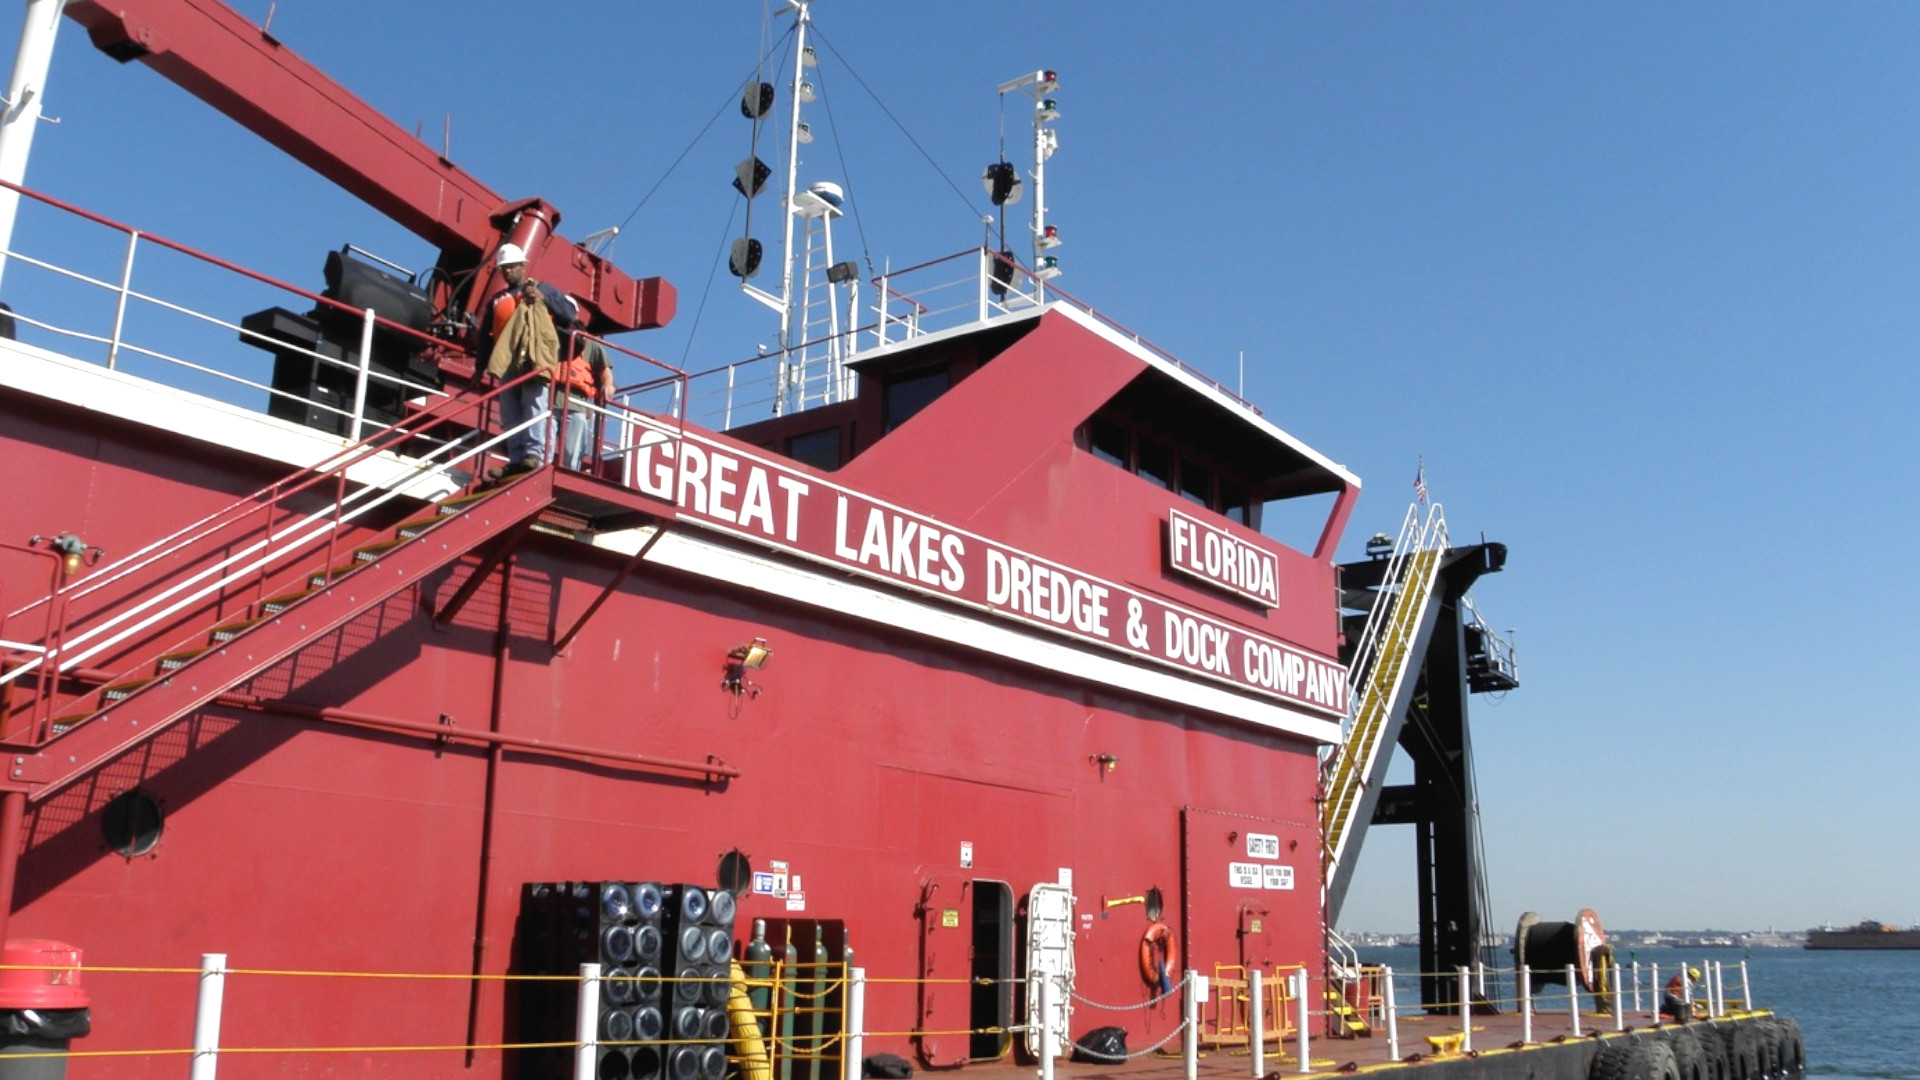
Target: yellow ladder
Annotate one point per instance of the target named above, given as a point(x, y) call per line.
point(1353, 761)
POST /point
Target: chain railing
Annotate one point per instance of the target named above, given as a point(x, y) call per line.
point(799, 1019)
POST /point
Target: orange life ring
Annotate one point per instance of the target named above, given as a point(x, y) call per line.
point(1159, 956)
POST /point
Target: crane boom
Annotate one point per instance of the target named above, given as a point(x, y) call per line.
point(240, 69)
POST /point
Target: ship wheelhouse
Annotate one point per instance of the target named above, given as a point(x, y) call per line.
point(972, 652)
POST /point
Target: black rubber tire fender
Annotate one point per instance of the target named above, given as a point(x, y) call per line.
point(1688, 1057)
point(1789, 1050)
point(1769, 1043)
point(1610, 1062)
point(1743, 1051)
point(1634, 1060)
point(1796, 1046)
point(1714, 1049)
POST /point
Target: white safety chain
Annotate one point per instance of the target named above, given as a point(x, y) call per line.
point(1147, 1004)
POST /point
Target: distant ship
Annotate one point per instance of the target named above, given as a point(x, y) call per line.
point(1865, 935)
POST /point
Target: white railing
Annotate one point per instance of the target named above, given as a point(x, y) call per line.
point(959, 290)
point(1377, 676)
point(144, 301)
point(1414, 536)
point(149, 312)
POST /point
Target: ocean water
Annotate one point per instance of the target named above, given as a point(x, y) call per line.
point(1859, 1011)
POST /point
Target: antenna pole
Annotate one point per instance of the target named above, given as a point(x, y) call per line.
point(1045, 141)
point(804, 18)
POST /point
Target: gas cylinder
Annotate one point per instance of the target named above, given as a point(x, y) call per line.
point(759, 967)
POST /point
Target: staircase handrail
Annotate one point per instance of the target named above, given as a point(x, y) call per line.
point(240, 566)
point(1404, 544)
point(1342, 957)
point(301, 479)
point(1390, 619)
point(265, 499)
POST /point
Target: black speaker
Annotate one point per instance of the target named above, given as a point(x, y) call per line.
point(617, 925)
point(698, 932)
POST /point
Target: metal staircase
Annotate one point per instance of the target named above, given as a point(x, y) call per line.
point(247, 587)
point(1386, 667)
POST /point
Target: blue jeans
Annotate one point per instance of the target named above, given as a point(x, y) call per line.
point(579, 432)
point(517, 406)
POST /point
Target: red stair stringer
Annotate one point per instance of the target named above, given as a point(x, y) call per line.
point(125, 723)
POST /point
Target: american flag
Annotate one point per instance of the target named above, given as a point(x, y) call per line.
point(1420, 482)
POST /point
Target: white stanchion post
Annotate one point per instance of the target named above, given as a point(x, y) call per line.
point(1526, 1004)
point(1719, 989)
point(206, 1017)
point(1746, 991)
point(1301, 1004)
point(1480, 977)
point(586, 1027)
point(1190, 1046)
point(1259, 1019)
point(1619, 1002)
point(1573, 1000)
point(361, 376)
point(1654, 991)
point(1393, 1017)
point(1466, 1011)
point(120, 303)
point(1043, 994)
point(856, 1021)
point(1636, 986)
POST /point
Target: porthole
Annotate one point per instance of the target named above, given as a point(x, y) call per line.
point(736, 872)
point(132, 823)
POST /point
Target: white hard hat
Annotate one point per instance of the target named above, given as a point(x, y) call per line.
point(508, 255)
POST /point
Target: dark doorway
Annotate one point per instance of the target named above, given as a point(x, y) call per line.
point(992, 970)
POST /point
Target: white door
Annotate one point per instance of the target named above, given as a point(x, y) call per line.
point(1050, 953)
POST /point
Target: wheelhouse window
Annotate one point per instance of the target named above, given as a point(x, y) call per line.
point(1155, 462)
point(1196, 475)
point(1196, 482)
point(908, 394)
point(1110, 442)
point(1233, 502)
point(821, 449)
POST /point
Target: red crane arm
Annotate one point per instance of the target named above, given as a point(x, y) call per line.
point(212, 52)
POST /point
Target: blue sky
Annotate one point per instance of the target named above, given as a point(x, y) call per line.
point(1637, 280)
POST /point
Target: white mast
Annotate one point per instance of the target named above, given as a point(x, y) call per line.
point(1045, 141)
point(22, 106)
point(808, 371)
point(803, 20)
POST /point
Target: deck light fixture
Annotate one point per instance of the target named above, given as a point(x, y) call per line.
point(744, 658)
point(73, 551)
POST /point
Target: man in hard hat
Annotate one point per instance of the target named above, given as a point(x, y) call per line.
point(1677, 1002)
point(525, 321)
